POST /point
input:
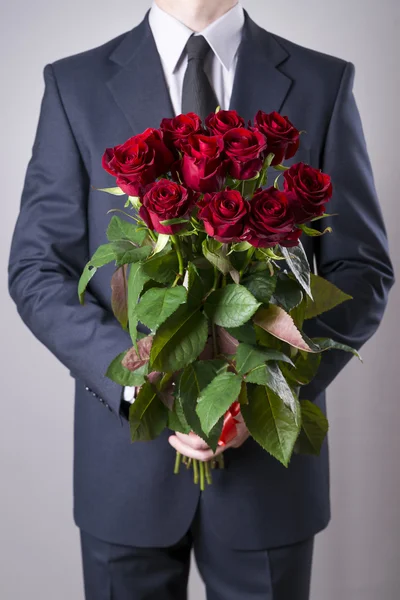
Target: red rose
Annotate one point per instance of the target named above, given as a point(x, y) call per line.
point(224, 214)
point(271, 220)
point(179, 128)
point(165, 200)
point(138, 161)
point(202, 167)
point(282, 138)
point(224, 120)
point(312, 190)
point(244, 149)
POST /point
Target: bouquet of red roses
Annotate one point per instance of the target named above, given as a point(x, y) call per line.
point(209, 258)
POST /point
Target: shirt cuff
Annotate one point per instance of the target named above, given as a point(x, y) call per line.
point(130, 393)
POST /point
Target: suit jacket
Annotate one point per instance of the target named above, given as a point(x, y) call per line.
point(127, 493)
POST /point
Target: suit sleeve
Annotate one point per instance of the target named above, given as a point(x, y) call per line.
point(49, 250)
point(355, 256)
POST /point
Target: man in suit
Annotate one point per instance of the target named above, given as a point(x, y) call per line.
point(253, 529)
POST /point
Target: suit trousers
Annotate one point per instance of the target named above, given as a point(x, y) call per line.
point(116, 572)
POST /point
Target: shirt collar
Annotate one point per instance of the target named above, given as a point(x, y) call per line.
point(171, 36)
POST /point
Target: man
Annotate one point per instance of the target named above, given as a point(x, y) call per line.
point(253, 529)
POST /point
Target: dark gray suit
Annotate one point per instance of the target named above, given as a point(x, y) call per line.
point(127, 494)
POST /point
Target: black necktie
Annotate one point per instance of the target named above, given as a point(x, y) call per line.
point(197, 93)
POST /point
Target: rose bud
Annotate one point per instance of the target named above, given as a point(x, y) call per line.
point(271, 221)
point(165, 200)
point(244, 149)
point(283, 138)
point(224, 214)
point(223, 121)
point(312, 190)
point(179, 128)
point(202, 167)
point(138, 161)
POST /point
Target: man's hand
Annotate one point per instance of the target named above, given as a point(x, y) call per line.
point(192, 446)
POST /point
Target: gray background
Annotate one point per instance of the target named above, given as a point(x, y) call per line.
point(358, 556)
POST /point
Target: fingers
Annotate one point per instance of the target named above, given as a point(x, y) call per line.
point(192, 446)
point(195, 453)
point(193, 441)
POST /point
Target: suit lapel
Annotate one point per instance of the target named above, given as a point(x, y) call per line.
point(258, 83)
point(139, 86)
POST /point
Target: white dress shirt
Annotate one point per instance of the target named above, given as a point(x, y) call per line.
point(171, 36)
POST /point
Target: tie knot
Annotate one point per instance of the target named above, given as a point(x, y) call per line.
point(197, 47)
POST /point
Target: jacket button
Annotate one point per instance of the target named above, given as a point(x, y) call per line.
point(101, 399)
point(87, 388)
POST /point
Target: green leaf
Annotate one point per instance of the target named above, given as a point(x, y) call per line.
point(163, 267)
point(179, 340)
point(324, 216)
point(297, 261)
point(314, 232)
point(193, 380)
point(135, 201)
point(249, 357)
point(121, 375)
point(262, 285)
point(326, 296)
point(328, 344)
point(84, 279)
point(217, 257)
point(158, 304)
point(136, 280)
point(271, 376)
point(240, 247)
point(231, 306)
point(245, 333)
point(120, 229)
point(270, 422)
point(126, 253)
point(177, 420)
point(280, 324)
point(148, 416)
point(288, 293)
point(269, 253)
point(119, 296)
point(298, 313)
point(103, 255)
point(175, 221)
point(216, 398)
point(305, 368)
point(314, 429)
point(115, 191)
point(200, 282)
point(162, 241)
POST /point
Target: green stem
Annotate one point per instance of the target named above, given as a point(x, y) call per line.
point(177, 462)
point(201, 468)
point(164, 380)
point(188, 463)
point(249, 256)
point(208, 473)
point(178, 250)
point(196, 471)
point(153, 237)
point(214, 340)
point(221, 462)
